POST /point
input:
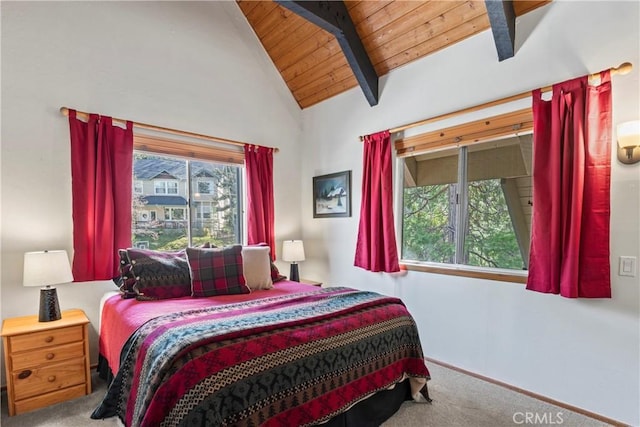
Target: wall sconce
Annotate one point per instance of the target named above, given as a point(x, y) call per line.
point(629, 142)
point(293, 251)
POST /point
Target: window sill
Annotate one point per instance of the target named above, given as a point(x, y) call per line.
point(466, 271)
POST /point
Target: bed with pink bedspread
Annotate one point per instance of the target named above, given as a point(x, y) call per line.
point(292, 355)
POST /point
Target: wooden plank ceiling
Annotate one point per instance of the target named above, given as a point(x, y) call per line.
point(393, 33)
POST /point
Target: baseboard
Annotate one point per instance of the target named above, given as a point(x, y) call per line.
point(581, 411)
point(531, 394)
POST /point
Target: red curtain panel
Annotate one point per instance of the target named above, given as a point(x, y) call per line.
point(571, 190)
point(376, 248)
point(260, 209)
point(101, 162)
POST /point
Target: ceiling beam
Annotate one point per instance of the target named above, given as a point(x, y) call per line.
point(332, 16)
point(503, 25)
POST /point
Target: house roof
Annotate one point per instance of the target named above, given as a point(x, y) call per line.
point(166, 168)
point(165, 200)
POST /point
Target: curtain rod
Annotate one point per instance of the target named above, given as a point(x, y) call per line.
point(622, 69)
point(65, 112)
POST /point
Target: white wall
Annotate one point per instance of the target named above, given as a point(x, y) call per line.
point(191, 66)
point(581, 352)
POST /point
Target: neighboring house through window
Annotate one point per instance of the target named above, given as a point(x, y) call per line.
point(185, 194)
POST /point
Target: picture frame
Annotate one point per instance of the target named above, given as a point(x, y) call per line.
point(332, 195)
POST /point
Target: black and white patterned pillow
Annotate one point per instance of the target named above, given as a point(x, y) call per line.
point(159, 274)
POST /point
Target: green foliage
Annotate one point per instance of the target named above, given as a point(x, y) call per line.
point(429, 226)
point(490, 239)
point(427, 233)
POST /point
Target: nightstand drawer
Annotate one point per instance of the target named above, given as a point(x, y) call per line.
point(49, 398)
point(38, 340)
point(46, 355)
point(32, 382)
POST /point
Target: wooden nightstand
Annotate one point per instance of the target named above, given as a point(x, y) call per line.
point(311, 282)
point(46, 362)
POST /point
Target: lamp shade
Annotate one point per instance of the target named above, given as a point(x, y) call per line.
point(292, 251)
point(629, 134)
point(46, 268)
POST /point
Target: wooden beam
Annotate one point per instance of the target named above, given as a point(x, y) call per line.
point(503, 25)
point(333, 16)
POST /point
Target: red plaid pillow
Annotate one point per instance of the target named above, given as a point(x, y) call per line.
point(216, 271)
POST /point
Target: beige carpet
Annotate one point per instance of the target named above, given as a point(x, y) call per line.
point(458, 400)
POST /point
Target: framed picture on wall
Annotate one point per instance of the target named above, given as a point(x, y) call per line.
point(332, 195)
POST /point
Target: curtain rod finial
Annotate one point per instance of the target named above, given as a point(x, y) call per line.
point(64, 111)
point(624, 68)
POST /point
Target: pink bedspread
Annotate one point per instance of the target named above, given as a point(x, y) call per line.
point(131, 314)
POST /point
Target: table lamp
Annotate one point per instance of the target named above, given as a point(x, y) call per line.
point(46, 268)
point(293, 251)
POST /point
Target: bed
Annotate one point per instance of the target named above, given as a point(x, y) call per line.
point(293, 354)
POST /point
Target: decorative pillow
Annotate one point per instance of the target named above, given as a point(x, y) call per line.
point(159, 274)
point(256, 266)
point(126, 280)
point(216, 271)
point(275, 273)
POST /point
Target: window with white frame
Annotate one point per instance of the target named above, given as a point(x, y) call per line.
point(165, 187)
point(174, 214)
point(205, 186)
point(138, 187)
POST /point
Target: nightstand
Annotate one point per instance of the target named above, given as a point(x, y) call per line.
point(46, 362)
point(311, 282)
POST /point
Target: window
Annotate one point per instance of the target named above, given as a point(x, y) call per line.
point(467, 205)
point(174, 214)
point(165, 187)
point(203, 210)
point(138, 188)
point(178, 213)
point(204, 186)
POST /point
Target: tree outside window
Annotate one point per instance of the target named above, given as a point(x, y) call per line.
point(469, 205)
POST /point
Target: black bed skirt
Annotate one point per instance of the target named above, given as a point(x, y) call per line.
point(370, 412)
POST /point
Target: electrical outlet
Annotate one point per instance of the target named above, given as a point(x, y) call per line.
point(627, 266)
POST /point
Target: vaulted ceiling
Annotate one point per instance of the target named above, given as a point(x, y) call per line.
point(318, 63)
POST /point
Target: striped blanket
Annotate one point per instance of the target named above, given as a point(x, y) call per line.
point(296, 359)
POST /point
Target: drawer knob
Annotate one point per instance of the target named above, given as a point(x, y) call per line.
point(51, 378)
point(24, 374)
point(48, 339)
point(50, 356)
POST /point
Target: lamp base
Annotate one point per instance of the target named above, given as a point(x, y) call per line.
point(49, 307)
point(293, 274)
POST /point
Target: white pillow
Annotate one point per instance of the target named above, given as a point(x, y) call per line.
point(256, 266)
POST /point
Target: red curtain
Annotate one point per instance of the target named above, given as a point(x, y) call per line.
point(101, 162)
point(571, 183)
point(376, 246)
point(260, 210)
